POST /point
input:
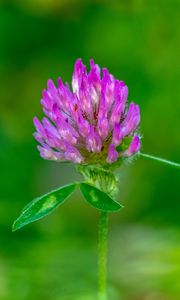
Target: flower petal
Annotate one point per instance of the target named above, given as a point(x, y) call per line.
point(134, 147)
point(93, 141)
point(112, 154)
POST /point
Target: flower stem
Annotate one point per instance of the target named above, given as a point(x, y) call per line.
point(161, 160)
point(102, 259)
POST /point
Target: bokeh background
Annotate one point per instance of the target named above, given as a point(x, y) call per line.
point(55, 258)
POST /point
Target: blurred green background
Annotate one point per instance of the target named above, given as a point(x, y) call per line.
point(55, 258)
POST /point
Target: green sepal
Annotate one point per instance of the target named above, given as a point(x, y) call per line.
point(98, 199)
point(43, 205)
point(124, 144)
point(100, 178)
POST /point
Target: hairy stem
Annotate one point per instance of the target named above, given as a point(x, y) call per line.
point(102, 259)
point(161, 160)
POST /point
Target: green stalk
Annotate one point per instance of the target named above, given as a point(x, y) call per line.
point(102, 255)
point(161, 160)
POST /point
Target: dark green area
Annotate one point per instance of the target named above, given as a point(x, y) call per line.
point(43, 206)
point(55, 258)
point(98, 199)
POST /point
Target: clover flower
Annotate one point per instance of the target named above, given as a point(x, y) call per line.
point(90, 123)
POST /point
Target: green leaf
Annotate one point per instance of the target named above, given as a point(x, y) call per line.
point(99, 199)
point(43, 205)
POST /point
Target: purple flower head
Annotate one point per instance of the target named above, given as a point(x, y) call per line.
point(89, 123)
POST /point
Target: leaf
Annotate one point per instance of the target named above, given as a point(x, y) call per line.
point(99, 199)
point(43, 205)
